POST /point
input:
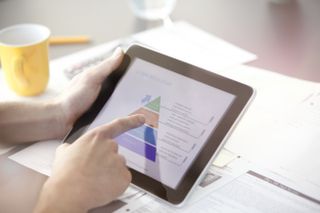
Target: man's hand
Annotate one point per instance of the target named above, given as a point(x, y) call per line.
point(22, 122)
point(88, 173)
point(84, 89)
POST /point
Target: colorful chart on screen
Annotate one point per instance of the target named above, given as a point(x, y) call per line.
point(143, 140)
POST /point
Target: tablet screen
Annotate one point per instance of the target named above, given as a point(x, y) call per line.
point(180, 112)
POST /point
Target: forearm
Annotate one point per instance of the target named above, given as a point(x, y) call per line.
point(31, 121)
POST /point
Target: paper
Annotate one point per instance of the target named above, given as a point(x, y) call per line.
point(38, 156)
point(284, 193)
point(255, 190)
point(4, 148)
point(134, 198)
point(224, 158)
point(281, 128)
point(195, 46)
point(215, 179)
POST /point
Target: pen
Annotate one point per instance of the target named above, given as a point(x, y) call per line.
point(56, 40)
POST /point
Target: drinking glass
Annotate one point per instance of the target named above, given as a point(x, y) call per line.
point(152, 10)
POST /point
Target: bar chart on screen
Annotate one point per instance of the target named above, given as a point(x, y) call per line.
point(143, 140)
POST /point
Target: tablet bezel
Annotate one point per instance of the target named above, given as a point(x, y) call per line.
point(243, 94)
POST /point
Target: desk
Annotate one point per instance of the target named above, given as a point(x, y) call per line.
point(285, 37)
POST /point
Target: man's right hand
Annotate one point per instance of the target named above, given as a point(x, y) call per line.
point(88, 173)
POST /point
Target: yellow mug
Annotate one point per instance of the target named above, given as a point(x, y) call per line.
point(24, 58)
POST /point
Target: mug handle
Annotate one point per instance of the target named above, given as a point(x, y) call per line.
point(19, 74)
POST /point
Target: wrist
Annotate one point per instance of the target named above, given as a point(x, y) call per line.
point(63, 118)
point(54, 198)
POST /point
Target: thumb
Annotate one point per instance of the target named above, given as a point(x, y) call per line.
point(109, 65)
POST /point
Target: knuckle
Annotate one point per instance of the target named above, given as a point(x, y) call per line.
point(113, 145)
point(97, 134)
point(95, 137)
point(120, 122)
point(122, 159)
point(128, 176)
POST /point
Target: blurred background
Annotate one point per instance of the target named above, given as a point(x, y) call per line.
point(285, 34)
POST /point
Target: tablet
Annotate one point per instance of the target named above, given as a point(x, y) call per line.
point(189, 114)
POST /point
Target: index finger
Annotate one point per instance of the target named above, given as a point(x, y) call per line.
point(121, 125)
